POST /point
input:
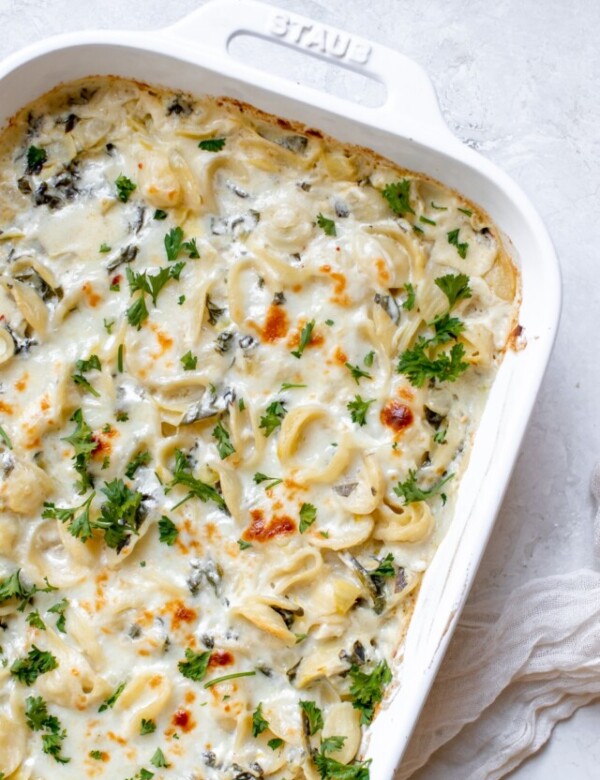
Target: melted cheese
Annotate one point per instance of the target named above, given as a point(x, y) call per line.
point(251, 411)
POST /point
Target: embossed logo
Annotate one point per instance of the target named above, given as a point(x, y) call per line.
point(319, 38)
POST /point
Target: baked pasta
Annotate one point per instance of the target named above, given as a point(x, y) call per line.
point(241, 368)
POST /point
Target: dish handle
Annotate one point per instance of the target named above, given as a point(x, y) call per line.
point(410, 93)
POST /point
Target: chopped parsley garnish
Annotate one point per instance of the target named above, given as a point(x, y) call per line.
point(308, 515)
point(167, 531)
point(398, 197)
point(418, 366)
point(357, 372)
point(147, 727)
point(174, 245)
point(358, 409)
point(36, 158)
point(79, 524)
point(125, 187)
point(120, 515)
point(275, 743)
point(97, 755)
point(35, 621)
point(409, 303)
point(226, 677)
point(417, 229)
point(290, 386)
point(189, 361)
point(104, 248)
point(137, 313)
point(410, 492)
point(243, 545)
point(385, 568)
point(12, 587)
point(305, 337)
point(259, 478)
point(212, 144)
point(329, 322)
point(108, 325)
point(272, 418)
point(446, 328)
point(330, 769)
point(83, 366)
point(224, 445)
point(455, 287)
point(122, 416)
point(192, 249)
point(468, 212)
point(259, 724)
point(461, 247)
point(38, 719)
point(368, 359)
point(181, 300)
point(120, 370)
point(427, 221)
point(195, 666)
point(438, 208)
point(37, 662)
point(139, 461)
point(5, 438)
point(158, 760)
point(59, 609)
point(182, 475)
point(84, 445)
point(313, 716)
point(326, 225)
point(160, 214)
point(439, 437)
point(367, 689)
point(110, 702)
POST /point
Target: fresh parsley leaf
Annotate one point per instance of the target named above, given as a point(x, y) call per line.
point(139, 461)
point(305, 337)
point(145, 774)
point(59, 609)
point(13, 587)
point(409, 303)
point(167, 531)
point(329, 322)
point(110, 702)
point(259, 478)
point(35, 621)
point(259, 724)
point(84, 445)
point(159, 214)
point(189, 361)
point(243, 544)
point(416, 364)
point(108, 325)
point(224, 445)
point(120, 514)
point(398, 197)
point(312, 715)
point(173, 243)
point(427, 221)
point(410, 492)
point(461, 247)
point(455, 287)
point(182, 475)
point(275, 743)
point(330, 769)
point(358, 409)
point(331, 744)
point(439, 437)
point(385, 568)
point(37, 662)
point(125, 187)
point(327, 225)
point(447, 329)
point(195, 665)
point(212, 144)
point(52, 745)
point(137, 313)
point(357, 372)
point(83, 366)
point(272, 418)
point(36, 713)
point(368, 359)
point(36, 159)
point(181, 300)
point(122, 416)
point(158, 760)
point(5, 438)
point(308, 515)
point(104, 248)
point(367, 689)
point(191, 248)
point(97, 755)
point(147, 727)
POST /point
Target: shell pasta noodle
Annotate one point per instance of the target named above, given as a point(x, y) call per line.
point(241, 368)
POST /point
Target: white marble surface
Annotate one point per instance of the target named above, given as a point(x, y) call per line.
point(518, 80)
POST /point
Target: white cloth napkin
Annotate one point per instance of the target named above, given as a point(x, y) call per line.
point(514, 669)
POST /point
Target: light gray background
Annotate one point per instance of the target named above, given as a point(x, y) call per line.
point(519, 81)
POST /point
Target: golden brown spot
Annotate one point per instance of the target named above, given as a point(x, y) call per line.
point(116, 738)
point(183, 720)
point(261, 531)
point(340, 356)
point(396, 416)
point(91, 295)
point(44, 404)
point(382, 271)
point(276, 324)
point(220, 658)
point(21, 383)
point(6, 408)
point(165, 342)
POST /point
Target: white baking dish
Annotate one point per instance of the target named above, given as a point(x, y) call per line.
point(408, 128)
